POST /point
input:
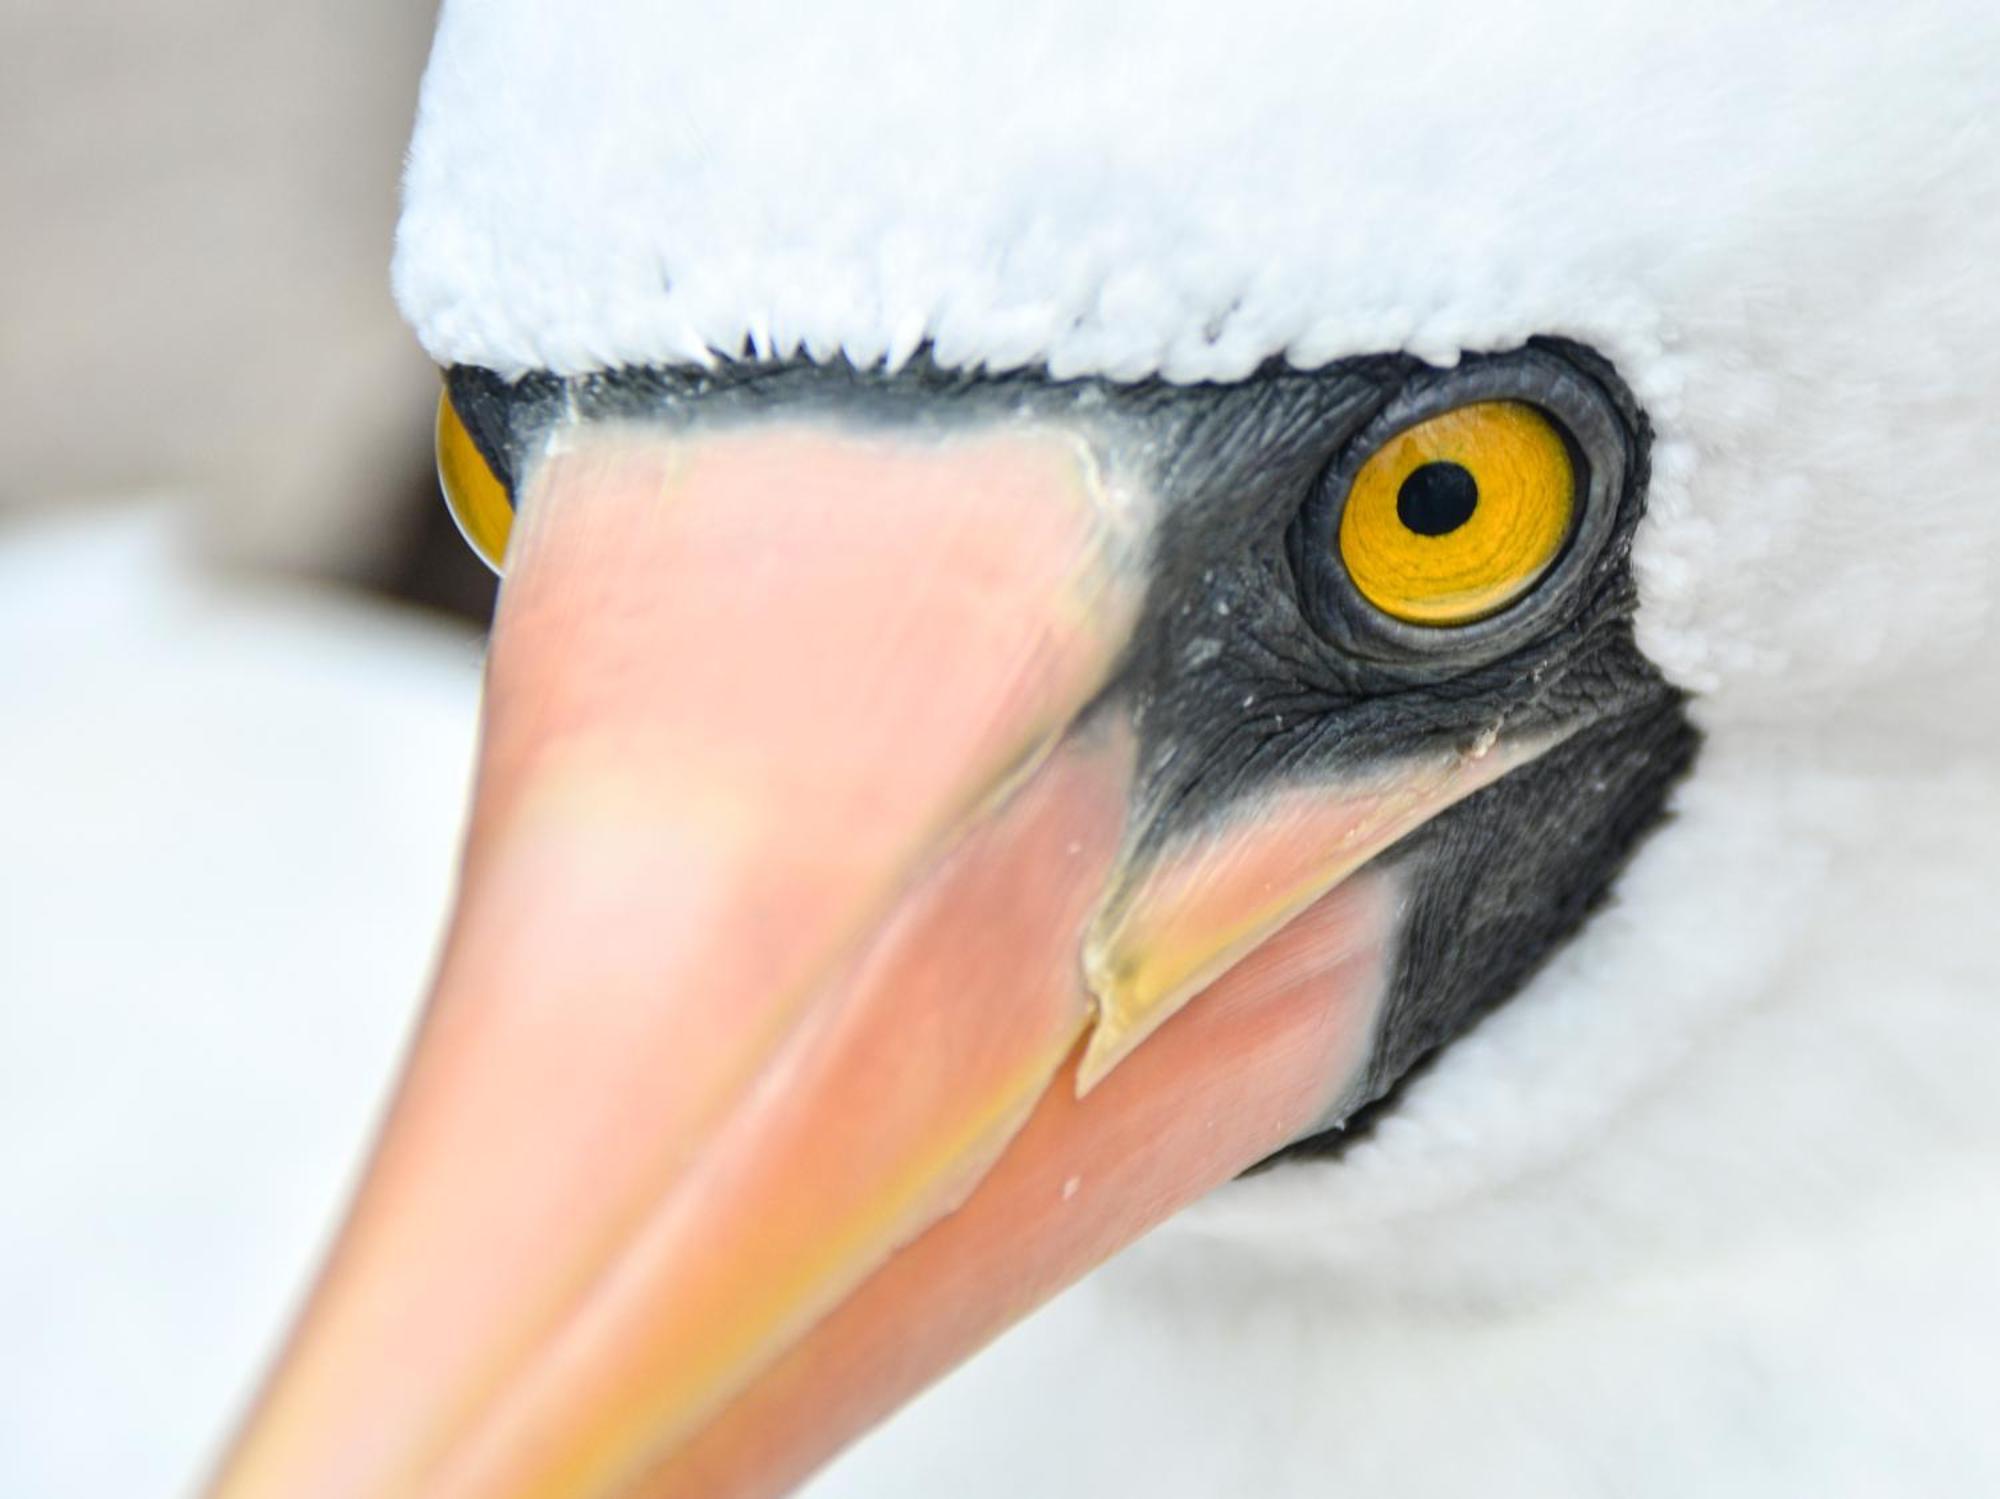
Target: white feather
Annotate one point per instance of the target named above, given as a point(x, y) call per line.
point(1780, 223)
point(1708, 1208)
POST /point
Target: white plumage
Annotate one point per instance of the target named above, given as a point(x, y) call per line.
point(1708, 1208)
point(1777, 224)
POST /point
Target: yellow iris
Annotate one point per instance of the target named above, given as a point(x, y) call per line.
point(1455, 518)
point(477, 499)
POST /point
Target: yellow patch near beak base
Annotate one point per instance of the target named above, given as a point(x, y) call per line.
point(1181, 920)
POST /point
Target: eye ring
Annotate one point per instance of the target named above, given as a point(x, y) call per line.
point(1599, 449)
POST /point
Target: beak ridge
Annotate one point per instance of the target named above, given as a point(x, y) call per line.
point(798, 879)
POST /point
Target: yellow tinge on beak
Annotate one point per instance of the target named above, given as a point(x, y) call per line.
point(1184, 917)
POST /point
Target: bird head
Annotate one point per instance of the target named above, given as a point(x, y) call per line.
point(1083, 594)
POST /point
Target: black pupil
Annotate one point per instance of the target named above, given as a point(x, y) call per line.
point(1437, 499)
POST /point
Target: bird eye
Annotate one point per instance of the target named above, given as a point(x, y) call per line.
point(1454, 518)
point(474, 494)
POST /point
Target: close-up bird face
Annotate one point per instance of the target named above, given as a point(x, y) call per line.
point(1353, 586)
point(1094, 599)
point(929, 828)
point(1000, 749)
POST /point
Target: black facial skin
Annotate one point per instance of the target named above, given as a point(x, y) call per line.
point(1257, 664)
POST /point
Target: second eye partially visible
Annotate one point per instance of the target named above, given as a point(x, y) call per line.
point(476, 496)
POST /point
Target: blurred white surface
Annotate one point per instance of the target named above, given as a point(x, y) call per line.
point(229, 814)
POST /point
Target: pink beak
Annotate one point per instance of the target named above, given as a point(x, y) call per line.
point(799, 881)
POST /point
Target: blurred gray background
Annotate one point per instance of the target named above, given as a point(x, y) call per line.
point(239, 667)
point(198, 201)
